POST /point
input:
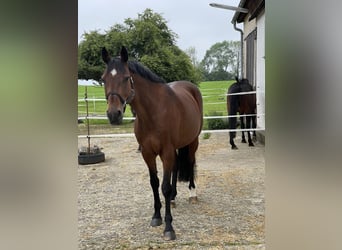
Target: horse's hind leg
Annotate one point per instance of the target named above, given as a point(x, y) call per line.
point(232, 125)
point(192, 160)
point(248, 121)
point(243, 140)
point(174, 185)
point(254, 126)
point(231, 140)
point(186, 167)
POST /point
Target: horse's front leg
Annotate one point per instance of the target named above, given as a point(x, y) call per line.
point(156, 218)
point(169, 233)
point(150, 160)
point(168, 160)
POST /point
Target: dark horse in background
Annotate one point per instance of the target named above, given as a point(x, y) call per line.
point(244, 104)
point(168, 123)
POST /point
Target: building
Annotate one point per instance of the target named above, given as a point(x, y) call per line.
point(253, 50)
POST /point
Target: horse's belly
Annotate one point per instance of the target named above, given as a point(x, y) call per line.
point(189, 131)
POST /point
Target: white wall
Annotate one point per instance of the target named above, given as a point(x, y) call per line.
point(260, 70)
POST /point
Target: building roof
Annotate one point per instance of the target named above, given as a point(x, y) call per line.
point(254, 7)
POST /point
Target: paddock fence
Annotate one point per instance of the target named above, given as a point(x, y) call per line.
point(105, 130)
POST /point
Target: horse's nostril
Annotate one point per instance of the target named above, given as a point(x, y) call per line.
point(115, 118)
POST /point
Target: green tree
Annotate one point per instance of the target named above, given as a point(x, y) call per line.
point(148, 40)
point(89, 62)
point(192, 53)
point(148, 34)
point(221, 61)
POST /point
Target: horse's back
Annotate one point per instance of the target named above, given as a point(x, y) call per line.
point(190, 109)
point(187, 90)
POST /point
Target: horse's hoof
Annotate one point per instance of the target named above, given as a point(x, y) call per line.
point(156, 222)
point(173, 204)
point(234, 147)
point(243, 141)
point(169, 235)
point(193, 199)
point(251, 144)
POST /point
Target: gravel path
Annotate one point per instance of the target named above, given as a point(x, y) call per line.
point(116, 202)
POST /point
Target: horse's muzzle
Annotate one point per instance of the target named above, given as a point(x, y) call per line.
point(115, 118)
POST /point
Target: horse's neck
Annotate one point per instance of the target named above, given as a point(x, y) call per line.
point(146, 100)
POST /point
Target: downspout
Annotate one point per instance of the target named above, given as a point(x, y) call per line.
point(241, 46)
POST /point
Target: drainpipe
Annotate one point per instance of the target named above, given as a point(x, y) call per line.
point(241, 47)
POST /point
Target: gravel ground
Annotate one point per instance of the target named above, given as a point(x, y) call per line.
point(116, 202)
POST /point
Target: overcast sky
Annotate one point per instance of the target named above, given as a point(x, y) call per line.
point(194, 21)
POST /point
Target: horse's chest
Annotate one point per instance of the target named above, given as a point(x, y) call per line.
point(148, 134)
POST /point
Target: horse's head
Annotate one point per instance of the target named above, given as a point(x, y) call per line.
point(118, 85)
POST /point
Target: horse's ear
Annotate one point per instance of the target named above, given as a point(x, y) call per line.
point(237, 79)
point(105, 55)
point(124, 54)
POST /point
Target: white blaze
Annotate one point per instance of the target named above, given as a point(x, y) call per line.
point(113, 72)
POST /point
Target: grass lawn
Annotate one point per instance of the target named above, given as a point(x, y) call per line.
point(95, 107)
point(214, 97)
point(213, 93)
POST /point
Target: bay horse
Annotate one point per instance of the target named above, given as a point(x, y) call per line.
point(245, 104)
point(169, 118)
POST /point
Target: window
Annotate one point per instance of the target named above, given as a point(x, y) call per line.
point(250, 56)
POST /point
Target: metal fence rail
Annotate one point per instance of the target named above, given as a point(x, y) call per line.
point(103, 117)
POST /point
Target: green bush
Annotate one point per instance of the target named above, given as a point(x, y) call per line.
point(217, 123)
point(206, 135)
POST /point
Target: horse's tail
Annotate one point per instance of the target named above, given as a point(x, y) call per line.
point(186, 167)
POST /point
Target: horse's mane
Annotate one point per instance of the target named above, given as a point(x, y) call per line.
point(144, 72)
point(137, 68)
